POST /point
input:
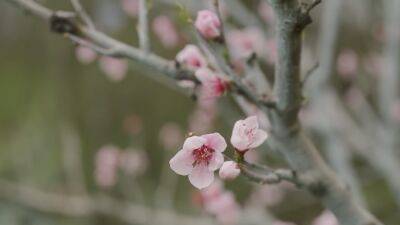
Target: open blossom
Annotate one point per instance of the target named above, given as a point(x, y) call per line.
point(247, 135)
point(106, 165)
point(114, 68)
point(131, 7)
point(191, 57)
point(85, 55)
point(199, 157)
point(166, 31)
point(212, 84)
point(326, 218)
point(229, 170)
point(208, 24)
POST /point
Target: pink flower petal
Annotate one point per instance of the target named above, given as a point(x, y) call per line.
point(201, 176)
point(215, 141)
point(193, 142)
point(251, 122)
point(258, 139)
point(182, 162)
point(216, 161)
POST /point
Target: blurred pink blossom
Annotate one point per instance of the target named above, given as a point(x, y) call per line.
point(166, 31)
point(133, 162)
point(191, 57)
point(213, 85)
point(266, 12)
point(224, 207)
point(114, 68)
point(247, 135)
point(268, 195)
point(85, 55)
point(106, 165)
point(326, 218)
point(347, 64)
point(374, 64)
point(131, 7)
point(229, 170)
point(171, 135)
point(199, 157)
point(202, 118)
point(208, 24)
point(243, 43)
point(133, 124)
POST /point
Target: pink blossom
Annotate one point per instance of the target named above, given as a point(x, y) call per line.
point(347, 63)
point(208, 24)
point(266, 12)
point(229, 170)
point(268, 195)
point(203, 116)
point(213, 85)
point(199, 157)
point(114, 68)
point(245, 42)
point(252, 156)
point(131, 7)
point(170, 135)
point(326, 218)
point(191, 57)
point(133, 162)
point(85, 55)
point(247, 135)
point(106, 165)
point(166, 31)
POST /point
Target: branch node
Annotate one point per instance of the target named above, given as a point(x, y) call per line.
point(62, 22)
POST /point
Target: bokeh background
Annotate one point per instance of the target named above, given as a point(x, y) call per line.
point(52, 108)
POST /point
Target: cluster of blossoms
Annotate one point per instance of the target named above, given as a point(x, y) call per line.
point(110, 158)
point(201, 155)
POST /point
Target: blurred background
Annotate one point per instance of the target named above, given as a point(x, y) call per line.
point(75, 126)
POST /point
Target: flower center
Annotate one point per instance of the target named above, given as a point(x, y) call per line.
point(203, 154)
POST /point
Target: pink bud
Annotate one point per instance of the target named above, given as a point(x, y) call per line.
point(191, 57)
point(166, 31)
point(114, 68)
point(208, 24)
point(347, 63)
point(131, 7)
point(85, 55)
point(247, 135)
point(229, 170)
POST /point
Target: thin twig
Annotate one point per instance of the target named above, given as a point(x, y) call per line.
point(82, 13)
point(143, 26)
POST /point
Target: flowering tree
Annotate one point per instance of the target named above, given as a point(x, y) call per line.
point(235, 54)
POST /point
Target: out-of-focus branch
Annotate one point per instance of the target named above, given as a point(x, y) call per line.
point(82, 13)
point(72, 159)
point(143, 26)
point(85, 206)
